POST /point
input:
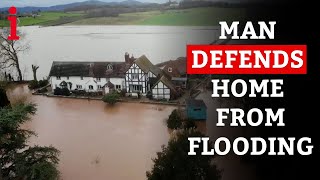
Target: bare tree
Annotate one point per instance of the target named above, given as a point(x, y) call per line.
point(34, 70)
point(9, 53)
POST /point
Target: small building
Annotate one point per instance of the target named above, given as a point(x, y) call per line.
point(196, 109)
point(108, 88)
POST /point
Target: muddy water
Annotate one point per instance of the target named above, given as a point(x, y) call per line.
point(98, 141)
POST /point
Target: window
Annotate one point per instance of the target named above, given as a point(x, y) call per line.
point(99, 87)
point(118, 86)
point(98, 79)
point(58, 77)
point(79, 86)
point(135, 76)
point(109, 67)
point(67, 77)
point(169, 69)
point(81, 78)
point(90, 87)
point(136, 88)
point(197, 109)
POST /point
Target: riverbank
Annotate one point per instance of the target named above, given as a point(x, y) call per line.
point(142, 100)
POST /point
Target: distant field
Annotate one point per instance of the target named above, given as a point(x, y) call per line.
point(187, 17)
point(122, 19)
point(44, 18)
point(195, 17)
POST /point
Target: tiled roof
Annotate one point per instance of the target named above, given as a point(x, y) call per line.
point(144, 63)
point(166, 82)
point(195, 103)
point(179, 67)
point(88, 69)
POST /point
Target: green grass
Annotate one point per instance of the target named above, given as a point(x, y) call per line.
point(195, 17)
point(122, 19)
point(44, 18)
point(187, 17)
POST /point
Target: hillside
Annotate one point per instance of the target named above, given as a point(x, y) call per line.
point(209, 16)
point(90, 3)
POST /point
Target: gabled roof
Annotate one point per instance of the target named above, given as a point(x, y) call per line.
point(88, 69)
point(109, 85)
point(179, 66)
point(63, 83)
point(166, 82)
point(195, 103)
point(144, 63)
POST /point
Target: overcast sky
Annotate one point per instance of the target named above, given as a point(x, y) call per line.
point(22, 3)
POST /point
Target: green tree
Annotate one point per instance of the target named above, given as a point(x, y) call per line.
point(111, 98)
point(188, 124)
point(18, 160)
point(174, 163)
point(174, 121)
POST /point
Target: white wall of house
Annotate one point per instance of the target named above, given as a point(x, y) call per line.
point(119, 83)
point(150, 74)
point(85, 82)
point(161, 91)
point(106, 90)
point(91, 86)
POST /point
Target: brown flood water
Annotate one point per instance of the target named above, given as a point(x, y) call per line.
point(98, 141)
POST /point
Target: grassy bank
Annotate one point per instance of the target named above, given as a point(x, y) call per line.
point(186, 17)
point(44, 19)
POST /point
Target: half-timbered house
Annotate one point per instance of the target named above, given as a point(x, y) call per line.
point(133, 75)
point(163, 89)
point(141, 76)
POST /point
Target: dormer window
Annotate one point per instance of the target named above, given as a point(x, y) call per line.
point(109, 67)
point(169, 69)
point(58, 77)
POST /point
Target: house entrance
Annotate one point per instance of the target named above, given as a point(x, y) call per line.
point(135, 88)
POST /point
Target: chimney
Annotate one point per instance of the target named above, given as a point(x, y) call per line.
point(127, 58)
point(91, 69)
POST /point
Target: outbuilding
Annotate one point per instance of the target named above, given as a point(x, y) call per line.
point(196, 109)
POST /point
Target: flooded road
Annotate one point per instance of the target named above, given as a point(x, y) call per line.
point(98, 141)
